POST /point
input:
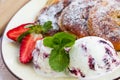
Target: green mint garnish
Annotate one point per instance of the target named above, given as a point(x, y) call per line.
point(46, 27)
point(59, 58)
point(38, 29)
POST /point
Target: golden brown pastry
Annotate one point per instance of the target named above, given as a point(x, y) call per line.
point(84, 18)
point(104, 21)
point(74, 17)
point(51, 11)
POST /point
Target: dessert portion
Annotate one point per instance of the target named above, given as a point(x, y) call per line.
point(61, 54)
point(74, 17)
point(91, 57)
point(51, 55)
point(52, 11)
point(55, 52)
point(104, 21)
point(41, 55)
point(84, 18)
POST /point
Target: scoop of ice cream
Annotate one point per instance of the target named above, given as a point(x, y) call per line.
point(41, 61)
point(91, 57)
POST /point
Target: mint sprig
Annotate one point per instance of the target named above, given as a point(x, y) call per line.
point(46, 27)
point(59, 58)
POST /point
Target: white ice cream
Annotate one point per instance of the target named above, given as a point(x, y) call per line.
point(91, 57)
point(41, 61)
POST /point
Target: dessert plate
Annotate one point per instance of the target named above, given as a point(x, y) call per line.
point(10, 49)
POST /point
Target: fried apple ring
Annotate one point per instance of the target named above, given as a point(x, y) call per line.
point(104, 21)
point(74, 17)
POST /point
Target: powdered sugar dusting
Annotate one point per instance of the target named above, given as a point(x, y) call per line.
point(104, 17)
point(74, 17)
point(77, 13)
point(50, 13)
point(105, 6)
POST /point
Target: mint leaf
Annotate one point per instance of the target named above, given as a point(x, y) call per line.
point(48, 42)
point(47, 26)
point(59, 58)
point(65, 35)
point(65, 39)
point(68, 42)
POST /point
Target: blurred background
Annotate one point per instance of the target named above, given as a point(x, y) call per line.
point(7, 10)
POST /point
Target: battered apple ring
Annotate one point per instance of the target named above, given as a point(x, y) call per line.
point(74, 17)
point(104, 21)
point(50, 12)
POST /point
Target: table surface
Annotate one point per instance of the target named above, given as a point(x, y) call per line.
point(7, 11)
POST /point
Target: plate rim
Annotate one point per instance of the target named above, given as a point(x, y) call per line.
point(16, 76)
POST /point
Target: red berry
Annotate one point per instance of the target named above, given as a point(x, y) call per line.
point(17, 31)
point(27, 46)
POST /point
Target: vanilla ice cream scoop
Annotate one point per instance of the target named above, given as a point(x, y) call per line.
point(41, 55)
point(91, 57)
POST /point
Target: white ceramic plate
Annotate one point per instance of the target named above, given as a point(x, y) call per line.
point(10, 49)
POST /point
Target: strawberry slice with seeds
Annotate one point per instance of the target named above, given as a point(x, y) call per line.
point(17, 31)
point(27, 46)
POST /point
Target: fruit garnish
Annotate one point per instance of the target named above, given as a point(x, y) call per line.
point(28, 40)
point(59, 57)
point(27, 46)
point(38, 29)
point(27, 35)
point(17, 31)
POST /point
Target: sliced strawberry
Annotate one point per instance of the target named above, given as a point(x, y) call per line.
point(17, 31)
point(27, 46)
